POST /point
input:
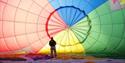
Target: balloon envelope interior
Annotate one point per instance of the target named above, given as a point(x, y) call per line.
point(94, 27)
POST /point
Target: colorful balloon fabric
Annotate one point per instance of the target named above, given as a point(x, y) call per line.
point(94, 27)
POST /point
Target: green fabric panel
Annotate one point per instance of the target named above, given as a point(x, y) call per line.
point(106, 19)
point(107, 35)
point(106, 29)
point(103, 9)
point(117, 17)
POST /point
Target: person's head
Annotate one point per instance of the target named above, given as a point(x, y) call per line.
point(51, 38)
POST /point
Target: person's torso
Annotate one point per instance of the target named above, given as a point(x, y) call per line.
point(52, 43)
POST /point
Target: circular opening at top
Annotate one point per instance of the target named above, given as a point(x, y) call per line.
point(68, 25)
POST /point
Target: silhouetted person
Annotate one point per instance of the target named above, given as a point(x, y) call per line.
point(52, 44)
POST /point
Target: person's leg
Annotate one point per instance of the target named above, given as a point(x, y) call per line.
point(55, 54)
point(51, 52)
